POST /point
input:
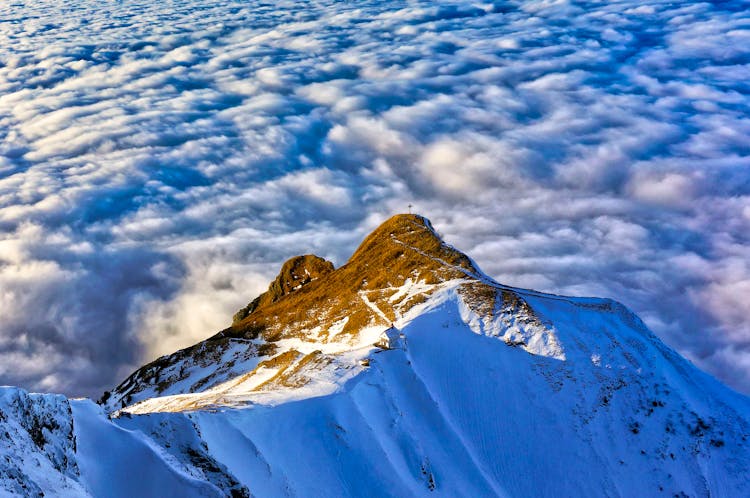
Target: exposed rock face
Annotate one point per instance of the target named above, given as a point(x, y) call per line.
point(54, 446)
point(38, 424)
point(296, 272)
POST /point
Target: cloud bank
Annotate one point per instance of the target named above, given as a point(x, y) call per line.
point(159, 161)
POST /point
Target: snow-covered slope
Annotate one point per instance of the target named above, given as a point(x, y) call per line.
point(488, 391)
point(53, 446)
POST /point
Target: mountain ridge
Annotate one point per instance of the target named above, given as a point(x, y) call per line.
point(292, 332)
point(485, 390)
point(403, 250)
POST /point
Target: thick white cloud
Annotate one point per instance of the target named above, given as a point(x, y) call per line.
point(158, 162)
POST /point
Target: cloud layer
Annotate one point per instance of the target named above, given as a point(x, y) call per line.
point(159, 160)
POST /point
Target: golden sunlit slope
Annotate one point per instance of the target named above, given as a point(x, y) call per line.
point(404, 248)
point(295, 273)
point(398, 266)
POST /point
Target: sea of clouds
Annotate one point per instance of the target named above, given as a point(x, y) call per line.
point(160, 159)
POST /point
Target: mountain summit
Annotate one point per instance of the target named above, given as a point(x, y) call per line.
point(405, 372)
point(398, 267)
point(403, 251)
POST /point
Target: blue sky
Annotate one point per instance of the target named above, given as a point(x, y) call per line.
point(159, 160)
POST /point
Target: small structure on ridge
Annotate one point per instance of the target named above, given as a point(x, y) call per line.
point(391, 338)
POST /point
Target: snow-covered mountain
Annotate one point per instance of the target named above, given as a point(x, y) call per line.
point(477, 389)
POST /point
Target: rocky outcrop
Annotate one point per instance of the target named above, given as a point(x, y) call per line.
point(37, 444)
point(295, 273)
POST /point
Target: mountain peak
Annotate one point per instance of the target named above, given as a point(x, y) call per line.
point(295, 273)
point(312, 312)
point(464, 353)
point(403, 250)
point(412, 238)
point(404, 243)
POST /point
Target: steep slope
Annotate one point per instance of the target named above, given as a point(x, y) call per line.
point(52, 446)
point(462, 414)
point(456, 413)
point(396, 267)
point(295, 273)
point(38, 447)
point(486, 391)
